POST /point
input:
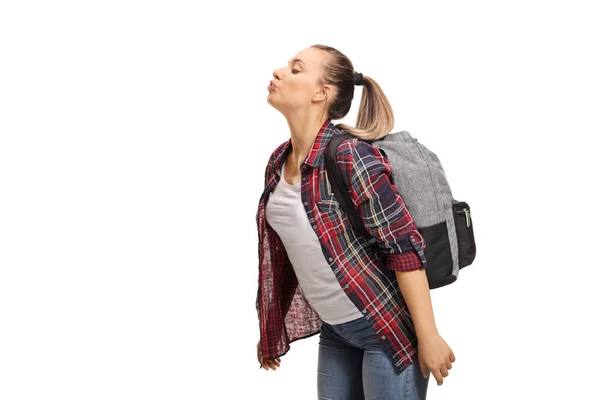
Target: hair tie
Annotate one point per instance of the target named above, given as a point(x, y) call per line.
point(358, 79)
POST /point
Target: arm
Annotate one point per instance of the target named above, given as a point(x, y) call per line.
point(366, 172)
point(386, 218)
point(435, 355)
point(415, 290)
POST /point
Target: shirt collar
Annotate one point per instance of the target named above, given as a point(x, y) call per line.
point(316, 155)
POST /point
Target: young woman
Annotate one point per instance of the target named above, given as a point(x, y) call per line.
point(370, 304)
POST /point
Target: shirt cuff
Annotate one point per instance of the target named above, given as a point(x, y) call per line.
point(407, 261)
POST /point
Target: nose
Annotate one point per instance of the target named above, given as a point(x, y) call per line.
point(277, 74)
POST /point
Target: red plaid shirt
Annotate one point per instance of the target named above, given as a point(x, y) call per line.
point(365, 273)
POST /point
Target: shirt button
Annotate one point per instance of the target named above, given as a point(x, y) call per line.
point(304, 178)
point(306, 203)
point(365, 311)
point(383, 337)
point(346, 286)
point(330, 259)
point(315, 227)
point(413, 240)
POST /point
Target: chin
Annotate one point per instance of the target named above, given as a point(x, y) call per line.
point(271, 102)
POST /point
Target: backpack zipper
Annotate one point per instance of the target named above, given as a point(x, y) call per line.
point(467, 215)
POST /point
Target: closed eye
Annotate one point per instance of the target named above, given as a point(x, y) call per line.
point(295, 71)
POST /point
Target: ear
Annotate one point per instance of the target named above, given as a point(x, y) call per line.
point(323, 93)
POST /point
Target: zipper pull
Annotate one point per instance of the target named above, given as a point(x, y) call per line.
point(466, 210)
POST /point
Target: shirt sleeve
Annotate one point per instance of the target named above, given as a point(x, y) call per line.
point(367, 173)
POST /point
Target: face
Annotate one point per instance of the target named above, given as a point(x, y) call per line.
point(295, 86)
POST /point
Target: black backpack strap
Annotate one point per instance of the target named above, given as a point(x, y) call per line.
point(337, 184)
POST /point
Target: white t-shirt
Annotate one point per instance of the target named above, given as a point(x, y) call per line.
point(286, 215)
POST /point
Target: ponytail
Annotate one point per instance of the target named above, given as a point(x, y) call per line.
point(375, 117)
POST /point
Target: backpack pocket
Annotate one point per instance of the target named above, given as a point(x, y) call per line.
point(438, 254)
point(464, 232)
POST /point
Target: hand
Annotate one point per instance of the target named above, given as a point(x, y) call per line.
point(273, 364)
point(436, 356)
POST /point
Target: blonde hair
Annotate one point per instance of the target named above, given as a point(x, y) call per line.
point(375, 117)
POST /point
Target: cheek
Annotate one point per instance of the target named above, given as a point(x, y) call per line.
point(300, 92)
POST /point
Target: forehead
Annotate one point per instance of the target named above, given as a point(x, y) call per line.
point(311, 57)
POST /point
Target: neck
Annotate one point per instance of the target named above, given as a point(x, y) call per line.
point(303, 131)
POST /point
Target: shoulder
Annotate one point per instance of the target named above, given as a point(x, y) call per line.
point(357, 150)
point(346, 147)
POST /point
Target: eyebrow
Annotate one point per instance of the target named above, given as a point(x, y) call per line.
point(295, 60)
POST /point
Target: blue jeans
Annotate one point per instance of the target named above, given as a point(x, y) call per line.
point(353, 365)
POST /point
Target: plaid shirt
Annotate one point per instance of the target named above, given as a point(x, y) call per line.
point(366, 273)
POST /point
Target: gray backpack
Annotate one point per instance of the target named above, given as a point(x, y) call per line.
point(444, 223)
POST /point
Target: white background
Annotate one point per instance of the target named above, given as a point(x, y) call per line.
point(134, 137)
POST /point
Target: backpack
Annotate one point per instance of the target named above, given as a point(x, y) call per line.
point(444, 222)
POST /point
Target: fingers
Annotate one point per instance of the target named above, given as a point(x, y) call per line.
point(441, 372)
point(438, 376)
point(452, 358)
point(273, 364)
point(424, 370)
point(444, 371)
